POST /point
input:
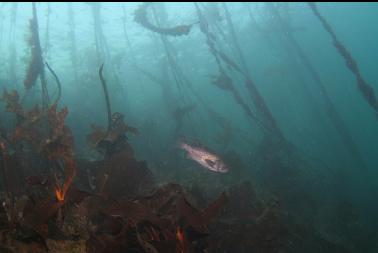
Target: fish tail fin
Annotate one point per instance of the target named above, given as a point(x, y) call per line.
point(182, 142)
point(182, 145)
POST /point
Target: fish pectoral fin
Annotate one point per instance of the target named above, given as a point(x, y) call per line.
point(210, 162)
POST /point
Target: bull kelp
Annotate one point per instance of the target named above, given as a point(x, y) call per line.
point(188, 127)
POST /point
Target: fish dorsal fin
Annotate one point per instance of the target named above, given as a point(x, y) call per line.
point(210, 162)
point(197, 143)
point(182, 139)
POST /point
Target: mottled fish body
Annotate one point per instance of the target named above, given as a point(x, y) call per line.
point(205, 158)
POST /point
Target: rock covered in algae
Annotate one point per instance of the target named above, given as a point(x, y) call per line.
point(64, 246)
point(11, 244)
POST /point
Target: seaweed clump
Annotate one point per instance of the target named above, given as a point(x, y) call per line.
point(119, 162)
point(163, 220)
point(125, 211)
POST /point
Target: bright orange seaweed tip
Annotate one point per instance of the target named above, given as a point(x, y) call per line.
point(181, 239)
point(59, 194)
point(179, 235)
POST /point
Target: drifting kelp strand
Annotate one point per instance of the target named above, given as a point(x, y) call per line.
point(106, 94)
point(141, 18)
point(365, 88)
point(57, 82)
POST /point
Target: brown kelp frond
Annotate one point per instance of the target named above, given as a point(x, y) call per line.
point(165, 220)
point(199, 220)
point(223, 81)
point(59, 142)
point(5, 163)
point(330, 108)
point(181, 112)
point(55, 141)
point(12, 102)
point(36, 63)
point(30, 125)
point(366, 89)
point(115, 137)
point(36, 215)
point(214, 208)
point(56, 121)
point(120, 174)
point(116, 129)
point(70, 173)
point(97, 134)
point(45, 132)
point(106, 94)
point(141, 18)
point(230, 63)
point(57, 82)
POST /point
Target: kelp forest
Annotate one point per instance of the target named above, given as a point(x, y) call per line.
point(188, 127)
